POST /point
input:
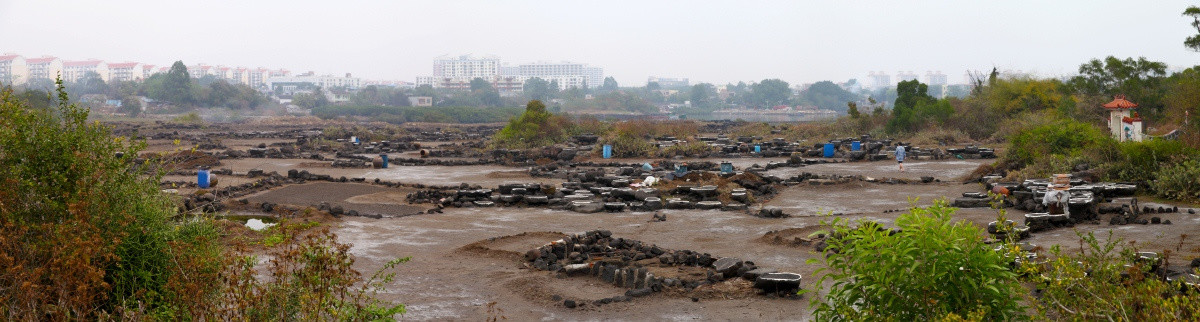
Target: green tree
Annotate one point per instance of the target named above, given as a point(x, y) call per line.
point(827, 95)
point(1182, 100)
point(485, 93)
point(176, 85)
point(909, 94)
point(610, 84)
point(1193, 42)
point(131, 106)
point(90, 83)
point(703, 95)
point(536, 89)
point(852, 109)
point(771, 92)
point(380, 95)
point(311, 100)
point(554, 88)
point(1140, 80)
point(929, 268)
point(653, 86)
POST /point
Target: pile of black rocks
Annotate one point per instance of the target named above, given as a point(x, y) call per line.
point(630, 264)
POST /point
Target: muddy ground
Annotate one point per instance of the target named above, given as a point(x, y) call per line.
point(466, 262)
point(447, 280)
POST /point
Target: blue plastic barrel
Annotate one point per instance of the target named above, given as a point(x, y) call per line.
point(855, 146)
point(385, 161)
point(828, 150)
point(757, 148)
point(202, 178)
point(607, 151)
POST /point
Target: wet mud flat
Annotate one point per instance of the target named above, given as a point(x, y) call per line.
point(474, 262)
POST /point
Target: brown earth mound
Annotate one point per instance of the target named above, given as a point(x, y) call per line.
point(800, 236)
point(511, 246)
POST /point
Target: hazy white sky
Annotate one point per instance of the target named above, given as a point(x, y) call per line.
point(712, 41)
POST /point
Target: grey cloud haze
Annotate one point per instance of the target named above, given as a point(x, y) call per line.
point(713, 41)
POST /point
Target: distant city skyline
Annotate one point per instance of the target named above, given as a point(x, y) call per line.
point(714, 42)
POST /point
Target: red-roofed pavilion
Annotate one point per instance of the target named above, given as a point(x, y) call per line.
point(1124, 123)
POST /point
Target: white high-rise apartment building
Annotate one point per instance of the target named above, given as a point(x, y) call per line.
point(45, 67)
point(125, 71)
point(13, 70)
point(75, 70)
point(466, 67)
point(880, 80)
point(936, 78)
point(567, 74)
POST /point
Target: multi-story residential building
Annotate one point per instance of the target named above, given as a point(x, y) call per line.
point(125, 72)
point(240, 75)
point(200, 70)
point(14, 70)
point(426, 80)
point(567, 74)
point(45, 67)
point(466, 67)
point(666, 82)
point(147, 71)
point(258, 78)
point(936, 78)
point(287, 85)
point(905, 76)
point(222, 72)
point(75, 70)
point(880, 80)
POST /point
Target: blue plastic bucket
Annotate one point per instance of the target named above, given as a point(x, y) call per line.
point(385, 160)
point(607, 151)
point(757, 149)
point(828, 150)
point(202, 179)
point(855, 146)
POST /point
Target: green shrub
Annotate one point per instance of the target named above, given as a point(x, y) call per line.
point(932, 268)
point(689, 149)
point(1180, 181)
point(189, 118)
point(87, 235)
point(310, 278)
point(1139, 161)
point(1061, 137)
point(84, 232)
point(628, 145)
point(534, 128)
point(1104, 281)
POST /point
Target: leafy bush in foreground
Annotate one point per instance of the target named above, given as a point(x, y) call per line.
point(1105, 281)
point(931, 268)
point(82, 232)
point(86, 234)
